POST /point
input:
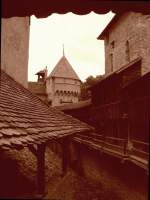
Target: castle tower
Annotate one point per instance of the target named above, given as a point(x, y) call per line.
point(15, 48)
point(63, 84)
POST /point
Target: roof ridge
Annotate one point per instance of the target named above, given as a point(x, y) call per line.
point(115, 18)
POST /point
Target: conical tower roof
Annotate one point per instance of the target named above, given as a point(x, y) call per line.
point(64, 69)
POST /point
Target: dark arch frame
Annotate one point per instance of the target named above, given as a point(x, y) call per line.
point(42, 9)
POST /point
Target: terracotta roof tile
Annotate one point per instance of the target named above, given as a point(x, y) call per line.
point(25, 119)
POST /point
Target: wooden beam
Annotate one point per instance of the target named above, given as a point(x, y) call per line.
point(41, 168)
point(33, 149)
point(79, 166)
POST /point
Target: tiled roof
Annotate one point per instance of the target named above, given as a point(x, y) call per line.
point(25, 119)
point(41, 72)
point(109, 26)
point(64, 69)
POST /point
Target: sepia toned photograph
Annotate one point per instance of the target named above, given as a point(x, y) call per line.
point(75, 99)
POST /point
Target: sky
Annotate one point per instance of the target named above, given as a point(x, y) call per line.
point(78, 34)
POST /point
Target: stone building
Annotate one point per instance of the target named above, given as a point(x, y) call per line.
point(126, 38)
point(61, 87)
point(63, 84)
point(15, 47)
point(39, 87)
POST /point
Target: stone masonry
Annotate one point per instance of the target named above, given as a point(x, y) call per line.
point(15, 48)
point(126, 38)
point(60, 88)
point(63, 84)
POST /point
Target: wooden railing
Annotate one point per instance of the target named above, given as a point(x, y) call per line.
point(140, 149)
point(120, 144)
point(123, 148)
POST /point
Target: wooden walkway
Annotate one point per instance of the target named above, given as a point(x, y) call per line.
point(132, 150)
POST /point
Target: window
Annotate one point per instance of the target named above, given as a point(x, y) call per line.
point(111, 62)
point(112, 44)
point(127, 51)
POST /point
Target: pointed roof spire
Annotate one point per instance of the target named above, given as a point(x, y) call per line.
point(63, 51)
point(63, 69)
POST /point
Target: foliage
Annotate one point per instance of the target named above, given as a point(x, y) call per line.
point(90, 81)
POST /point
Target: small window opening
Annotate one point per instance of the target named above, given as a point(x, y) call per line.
point(111, 62)
point(112, 44)
point(127, 51)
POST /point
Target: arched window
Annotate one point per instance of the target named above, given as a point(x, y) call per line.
point(57, 92)
point(61, 92)
point(65, 92)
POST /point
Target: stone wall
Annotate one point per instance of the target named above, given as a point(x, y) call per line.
point(62, 89)
point(67, 84)
point(38, 88)
point(15, 47)
point(128, 39)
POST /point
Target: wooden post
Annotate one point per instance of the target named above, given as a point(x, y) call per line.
point(41, 168)
point(79, 166)
point(65, 155)
point(125, 147)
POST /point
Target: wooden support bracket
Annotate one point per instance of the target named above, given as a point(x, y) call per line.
point(33, 149)
point(79, 166)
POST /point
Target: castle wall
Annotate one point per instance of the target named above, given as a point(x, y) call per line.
point(67, 85)
point(50, 88)
point(134, 28)
point(62, 90)
point(15, 48)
